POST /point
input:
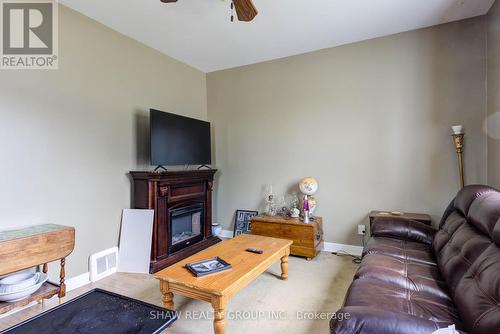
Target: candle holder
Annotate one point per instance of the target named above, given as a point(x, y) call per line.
point(458, 140)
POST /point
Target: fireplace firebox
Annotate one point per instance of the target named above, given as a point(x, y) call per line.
point(182, 204)
point(186, 226)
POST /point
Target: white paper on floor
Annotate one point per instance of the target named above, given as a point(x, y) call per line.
point(135, 241)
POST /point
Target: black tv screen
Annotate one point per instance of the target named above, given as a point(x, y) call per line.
point(179, 140)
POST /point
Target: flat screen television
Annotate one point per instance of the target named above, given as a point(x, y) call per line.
point(178, 140)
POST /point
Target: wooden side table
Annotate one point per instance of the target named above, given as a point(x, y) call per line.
point(421, 217)
point(307, 238)
point(33, 246)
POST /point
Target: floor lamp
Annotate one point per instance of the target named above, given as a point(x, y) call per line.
point(458, 140)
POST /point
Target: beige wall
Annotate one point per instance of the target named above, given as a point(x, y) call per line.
point(68, 137)
point(493, 124)
point(371, 121)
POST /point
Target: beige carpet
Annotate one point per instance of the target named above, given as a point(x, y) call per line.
point(268, 305)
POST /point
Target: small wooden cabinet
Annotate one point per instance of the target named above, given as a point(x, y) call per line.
point(307, 238)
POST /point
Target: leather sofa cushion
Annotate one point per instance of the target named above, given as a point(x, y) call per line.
point(404, 249)
point(467, 195)
point(477, 294)
point(414, 276)
point(393, 298)
point(373, 320)
point(447, 229)
point(462, 245)
point(484, 214)
point(401, 228)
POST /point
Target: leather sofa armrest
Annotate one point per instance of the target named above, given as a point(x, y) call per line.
point(401, 228)
point(369, 320)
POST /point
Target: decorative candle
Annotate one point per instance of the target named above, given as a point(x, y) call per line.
point(306, 209)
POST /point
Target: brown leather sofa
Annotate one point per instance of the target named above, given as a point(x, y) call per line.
point(415, 279)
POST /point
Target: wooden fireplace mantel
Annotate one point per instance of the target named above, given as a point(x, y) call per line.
point(169, 190)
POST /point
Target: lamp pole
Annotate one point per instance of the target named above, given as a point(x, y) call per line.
point(458, 140)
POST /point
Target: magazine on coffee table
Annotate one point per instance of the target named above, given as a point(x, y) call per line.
point(207, 267)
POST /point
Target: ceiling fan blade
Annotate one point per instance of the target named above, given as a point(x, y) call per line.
point(245, 10)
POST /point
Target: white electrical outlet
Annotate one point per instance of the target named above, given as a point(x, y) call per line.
point(361, 229)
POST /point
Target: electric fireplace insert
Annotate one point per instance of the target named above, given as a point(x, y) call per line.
point(186, 226)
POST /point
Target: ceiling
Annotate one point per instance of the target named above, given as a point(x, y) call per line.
point(199, 32)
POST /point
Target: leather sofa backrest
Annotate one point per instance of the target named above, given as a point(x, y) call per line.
point(467, 249)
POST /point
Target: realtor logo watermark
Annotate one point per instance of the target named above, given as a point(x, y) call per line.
point(29, 34)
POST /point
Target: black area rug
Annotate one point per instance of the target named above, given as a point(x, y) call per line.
point(98, 311)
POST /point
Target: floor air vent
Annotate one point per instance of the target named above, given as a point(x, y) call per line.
point(103, 264)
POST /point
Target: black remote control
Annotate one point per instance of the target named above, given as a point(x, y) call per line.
point(254, 250)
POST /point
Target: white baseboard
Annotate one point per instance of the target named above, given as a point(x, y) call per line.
point(77, 281)
point(327, 246)
point(334, 247)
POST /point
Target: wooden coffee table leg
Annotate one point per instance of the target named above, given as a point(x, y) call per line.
point(284, 267)
point(219, 305)
point(168, 297)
